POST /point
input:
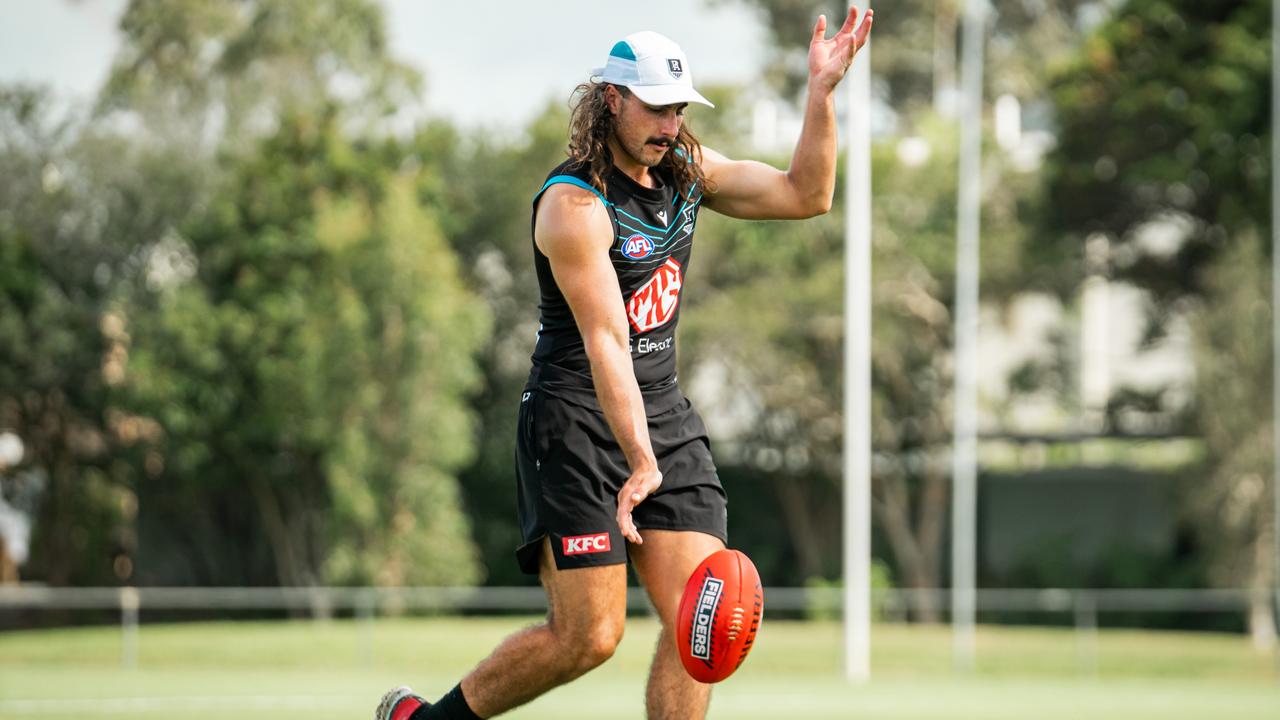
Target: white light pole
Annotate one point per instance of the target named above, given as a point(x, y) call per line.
point(857, 374)
point(964, 457)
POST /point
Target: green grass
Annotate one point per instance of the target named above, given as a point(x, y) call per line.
point(338, 669)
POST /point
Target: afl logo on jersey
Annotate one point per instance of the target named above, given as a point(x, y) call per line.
point(637, 247)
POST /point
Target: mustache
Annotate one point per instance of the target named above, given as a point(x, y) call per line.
point(663, 141)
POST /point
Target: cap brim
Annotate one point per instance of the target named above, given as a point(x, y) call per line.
point(668, 95)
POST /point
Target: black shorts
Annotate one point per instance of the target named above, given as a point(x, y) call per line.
point(569, 470)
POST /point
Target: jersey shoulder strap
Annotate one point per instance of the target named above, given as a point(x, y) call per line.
point(570, 172)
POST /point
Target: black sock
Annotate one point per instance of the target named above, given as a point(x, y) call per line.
point(453, 706)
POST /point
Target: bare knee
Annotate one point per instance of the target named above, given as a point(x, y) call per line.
point(600, 644)
point(587, 646)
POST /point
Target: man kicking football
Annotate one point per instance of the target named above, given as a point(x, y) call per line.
point(612, 462)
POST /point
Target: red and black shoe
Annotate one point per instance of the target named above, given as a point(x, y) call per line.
point(399, 704)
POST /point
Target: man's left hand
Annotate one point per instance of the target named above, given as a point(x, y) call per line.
point(829, 60)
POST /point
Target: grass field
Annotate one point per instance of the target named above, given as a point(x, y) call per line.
point(338, 669)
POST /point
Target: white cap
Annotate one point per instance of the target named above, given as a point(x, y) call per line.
point(653, 67)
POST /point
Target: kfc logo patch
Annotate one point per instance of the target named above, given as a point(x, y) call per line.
point(637, 247)
point(583, 544)
point(655, 303)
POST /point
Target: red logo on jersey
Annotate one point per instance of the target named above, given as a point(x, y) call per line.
point(581, 544)
point(637, 247)
point(654, 304)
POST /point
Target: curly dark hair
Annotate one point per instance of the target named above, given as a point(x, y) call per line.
point(590, 124)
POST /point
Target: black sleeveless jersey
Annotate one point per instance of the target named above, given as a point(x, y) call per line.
point(653, 239)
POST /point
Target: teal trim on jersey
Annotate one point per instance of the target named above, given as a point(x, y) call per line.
point(674, 232)
point(680, 214)
point(624, 51)
point(571, 180)
point(634, 230)
point(658, 241)
point(687, 197)
point(668, 234)
point(686, 204)
point(661, 230)
point(681, 210)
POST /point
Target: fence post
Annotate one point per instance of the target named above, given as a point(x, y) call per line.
point(366, 603)
point(1086, 612)
point(130, 602)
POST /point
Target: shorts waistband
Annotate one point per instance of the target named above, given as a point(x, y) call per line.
point(568, 386)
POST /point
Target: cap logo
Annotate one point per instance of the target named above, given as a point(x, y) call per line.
point(654, 68)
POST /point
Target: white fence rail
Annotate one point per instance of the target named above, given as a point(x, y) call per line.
point(324, 600)
point(1084, 605)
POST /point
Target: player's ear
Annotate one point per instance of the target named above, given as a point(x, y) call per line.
point(612, 98)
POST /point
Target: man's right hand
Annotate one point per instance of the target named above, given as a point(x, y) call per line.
point(639, 486)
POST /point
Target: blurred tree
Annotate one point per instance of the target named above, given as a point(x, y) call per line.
point(78, 208)
point(482, 189)
point(309, 357)
point(1233, 362)
point(229, 70)
point(1154, 145)
point(279, 327)
point(1163, 152)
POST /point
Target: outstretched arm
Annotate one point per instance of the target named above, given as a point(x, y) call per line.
point(753, 190)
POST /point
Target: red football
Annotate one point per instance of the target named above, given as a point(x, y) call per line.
point(719, 615)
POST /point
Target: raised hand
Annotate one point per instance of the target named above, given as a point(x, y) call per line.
point(829, 60)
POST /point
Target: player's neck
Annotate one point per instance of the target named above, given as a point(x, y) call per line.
point(630, 167)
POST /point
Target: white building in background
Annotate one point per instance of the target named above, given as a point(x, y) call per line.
point(1105, 338)
point(1104, 328)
